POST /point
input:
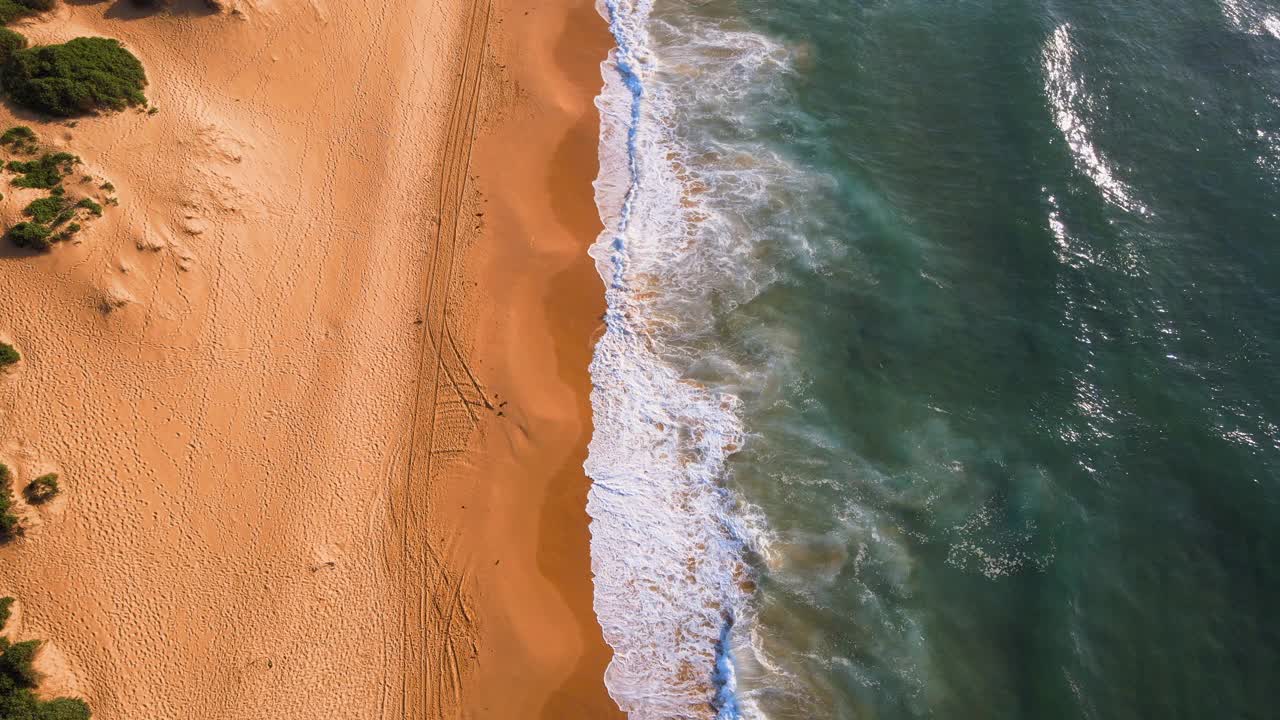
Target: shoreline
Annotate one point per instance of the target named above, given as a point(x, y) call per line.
point(542, 652)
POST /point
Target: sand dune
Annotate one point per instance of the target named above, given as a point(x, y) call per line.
point(272, 377)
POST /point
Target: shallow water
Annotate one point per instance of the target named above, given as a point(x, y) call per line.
point(941, 372)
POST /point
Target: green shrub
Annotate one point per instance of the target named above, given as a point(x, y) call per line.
point(10, 43)
point(18, 135)
point(6, 605)
point(8, 355)
point(45, 210)
point(20, 138)
point(45, 172)
point(80, 76)
point(29, 235)
point(18, 677)
point(11, 10)
point(9, 524)
point(64, 709)
point(15, 662)
point(108, 187)
point(90, 205)
point(17, 703)
point(42, 489)
point(53, 210)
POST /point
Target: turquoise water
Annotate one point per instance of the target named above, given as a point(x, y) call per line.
point(942, 376)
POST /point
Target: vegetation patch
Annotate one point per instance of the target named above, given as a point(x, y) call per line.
point(8, 355)
point(42, 489)
point(67, 232)
point(18, 680)
point(18, 135)
point(6, 610)
point(45, 172)
point(48, 210)
point(91, 205)
point(78, 77)
point(52, 218)
point(10, 526)
point(20, 139)
point(11, 10)
point(33, 236)
point(10, 43)
point(213, 6)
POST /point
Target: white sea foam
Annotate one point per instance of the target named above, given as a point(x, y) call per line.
point(1071, 105)
point(667, 537)
point(666, 570)
point(1250, 19)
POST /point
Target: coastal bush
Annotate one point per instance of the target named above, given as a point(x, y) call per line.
point(9, 524)
point(29, 235)
point(18, 135)
point(11, 10)
point(42, 489)
point(64, 709)
point(90, 205)
point(18, 677)
point(212, 5)
point(10, 43)
point(45, 210)
point(6, 609)
point(78, 77)
point(45, 172)
point(22, 704)
point(8, 355)
point(16, 662)
point(67, 232)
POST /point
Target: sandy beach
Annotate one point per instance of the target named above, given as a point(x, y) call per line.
point(317, 387)
point(534, 344)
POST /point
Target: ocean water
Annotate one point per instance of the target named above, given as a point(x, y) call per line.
point(941, 376)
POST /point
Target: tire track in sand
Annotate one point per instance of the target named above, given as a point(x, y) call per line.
point(440, 426)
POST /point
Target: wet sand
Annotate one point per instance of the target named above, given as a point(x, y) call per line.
point(543, 655)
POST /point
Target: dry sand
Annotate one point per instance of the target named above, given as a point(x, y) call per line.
point(317, 387)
